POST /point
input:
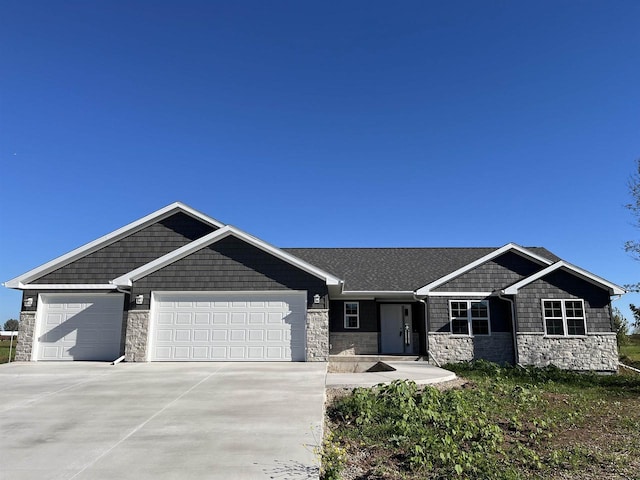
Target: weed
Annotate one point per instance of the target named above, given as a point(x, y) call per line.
point(514, 423)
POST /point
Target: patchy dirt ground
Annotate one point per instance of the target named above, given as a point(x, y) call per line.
point(604, 444)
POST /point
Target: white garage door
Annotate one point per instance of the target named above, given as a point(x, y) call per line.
point(236, 326)
point(79, 327)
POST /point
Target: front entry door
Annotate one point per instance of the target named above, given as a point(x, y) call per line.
point(395, 328)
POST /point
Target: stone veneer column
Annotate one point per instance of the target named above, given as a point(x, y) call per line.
point(25, 336)
point(596, 351)
point(317, 335)
point(136, 337)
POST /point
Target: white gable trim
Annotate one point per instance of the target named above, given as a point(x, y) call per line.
point(108, 239)
point(127, 279)
point(66, 286)
point(490, 256)
point(590, 277)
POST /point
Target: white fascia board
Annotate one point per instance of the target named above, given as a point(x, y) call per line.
point(371, 294)
point(127, 279)
point(460, 294)
point(66, 286)
point(490, 256)
point(590, 277)
point(108, 239)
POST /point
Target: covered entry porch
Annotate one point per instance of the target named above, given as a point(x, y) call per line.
point(379, 326)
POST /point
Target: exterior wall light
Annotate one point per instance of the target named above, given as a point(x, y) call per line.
point(139, 299)
point(28, 302)
point(316, 298)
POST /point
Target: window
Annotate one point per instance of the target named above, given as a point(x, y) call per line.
point(564, 317)
point(469, 317)
point(351, 315)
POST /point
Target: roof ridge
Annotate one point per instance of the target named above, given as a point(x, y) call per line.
point(391, 248)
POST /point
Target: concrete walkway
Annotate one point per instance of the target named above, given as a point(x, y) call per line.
point(420, 372)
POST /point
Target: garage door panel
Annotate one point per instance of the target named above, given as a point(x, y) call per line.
point(219, 335)
point(79, 327)
point(165, 319)
point(183, 318)
point(229, 326)
point(201, 335)
point(183, 335)
point(182, 353)
point(201, 318)
point(237, 353)
point(200, 353)
point(256, 335)
point(257, 318)
point(238, 335)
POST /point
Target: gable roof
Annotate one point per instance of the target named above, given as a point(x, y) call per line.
point(108, 239)
point(351, 270)
point(396, 269)
point(127, 279)
point(509, 247)
point(588, 276)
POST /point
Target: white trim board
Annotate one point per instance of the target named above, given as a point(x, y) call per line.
point(108, 239)
point(127, 279)
point(588, 276)
point(66, 286)
point(490, 256)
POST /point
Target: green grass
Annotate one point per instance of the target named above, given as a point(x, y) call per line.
point(507, 423)
point(4, 351)
point(630, 351)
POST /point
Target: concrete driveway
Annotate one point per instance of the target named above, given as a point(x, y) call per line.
point(160, 421)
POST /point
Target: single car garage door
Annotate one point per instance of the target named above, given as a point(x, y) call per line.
point(79, 327)
point(230, 326)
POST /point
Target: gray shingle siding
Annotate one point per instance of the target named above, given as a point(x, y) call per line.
point(495, 274)
point(562, 285)
point(230, 265)
point(439, 315)
point(368, 316)
point(130, 252)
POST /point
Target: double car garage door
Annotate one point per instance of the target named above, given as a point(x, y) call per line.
point(235, 326)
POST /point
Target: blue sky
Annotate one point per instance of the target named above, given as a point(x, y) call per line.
point(362, 123)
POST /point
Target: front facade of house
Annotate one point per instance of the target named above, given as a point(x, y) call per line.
point(178, 285)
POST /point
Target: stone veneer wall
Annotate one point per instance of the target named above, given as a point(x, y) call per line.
point(25, 336)
point(447, 348)
point(597, 352)
point(354, 343)
point(317, 335)
point(136, 336)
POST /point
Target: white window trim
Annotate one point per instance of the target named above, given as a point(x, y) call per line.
point(357, 315)
point(469, 319)
point(564, 317)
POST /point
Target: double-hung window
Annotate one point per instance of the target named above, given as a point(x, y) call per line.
point(469, 317)
point(564, 317)
point(351, 315)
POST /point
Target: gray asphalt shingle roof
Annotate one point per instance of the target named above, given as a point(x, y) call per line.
point(392, 269)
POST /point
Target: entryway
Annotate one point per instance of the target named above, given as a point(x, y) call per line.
point(396, 329)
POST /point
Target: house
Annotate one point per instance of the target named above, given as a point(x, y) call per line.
point(178, 285)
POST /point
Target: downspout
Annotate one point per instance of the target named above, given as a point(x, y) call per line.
point(513, 326)
point(426, 328)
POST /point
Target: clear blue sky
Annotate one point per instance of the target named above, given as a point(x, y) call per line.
point(414, 123)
